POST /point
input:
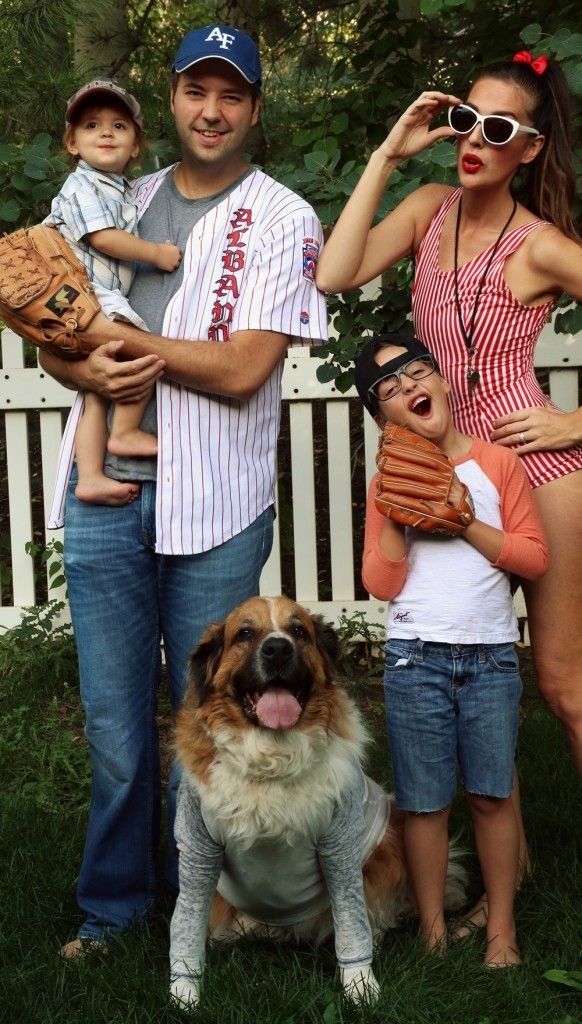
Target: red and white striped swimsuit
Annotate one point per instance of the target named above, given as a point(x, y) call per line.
point(505, 336)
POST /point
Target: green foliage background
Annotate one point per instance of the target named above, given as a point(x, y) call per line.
point(336, 76)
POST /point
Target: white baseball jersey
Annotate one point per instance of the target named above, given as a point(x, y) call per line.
point(249, 265)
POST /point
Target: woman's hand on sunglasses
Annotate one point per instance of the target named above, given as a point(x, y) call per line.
point(412, 133)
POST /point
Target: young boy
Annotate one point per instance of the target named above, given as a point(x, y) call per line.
point(451, 678)
point(94, 211)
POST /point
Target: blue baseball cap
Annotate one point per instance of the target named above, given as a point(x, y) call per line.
point(222, 42)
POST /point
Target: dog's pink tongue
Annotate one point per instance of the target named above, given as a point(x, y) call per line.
point(278, 709)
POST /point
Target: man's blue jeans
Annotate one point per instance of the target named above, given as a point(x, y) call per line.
point(124, 598)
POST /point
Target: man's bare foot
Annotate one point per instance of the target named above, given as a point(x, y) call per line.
point(102, 490)
point(502, 951)
point(133, 443)
point(78, 948)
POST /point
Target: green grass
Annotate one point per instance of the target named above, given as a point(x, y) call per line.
point(43, 766)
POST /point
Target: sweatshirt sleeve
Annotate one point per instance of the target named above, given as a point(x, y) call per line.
point(382, 577)
point(340, 856)
point(199, 868)
point(525, 549)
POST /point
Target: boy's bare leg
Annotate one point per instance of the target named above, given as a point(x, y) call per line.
point(497, 839)
point(476, 918)
point(90, 448)
point(426, 843)
point(126, 437)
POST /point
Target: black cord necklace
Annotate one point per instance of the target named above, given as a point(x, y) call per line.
point(472, 374)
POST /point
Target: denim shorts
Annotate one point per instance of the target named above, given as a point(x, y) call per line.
point(450, 707)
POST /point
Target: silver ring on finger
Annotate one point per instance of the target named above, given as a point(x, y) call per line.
point(522, 438)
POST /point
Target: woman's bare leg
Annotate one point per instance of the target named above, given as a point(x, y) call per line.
point(554, 607)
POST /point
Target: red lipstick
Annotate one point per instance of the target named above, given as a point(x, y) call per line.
point(471, 163)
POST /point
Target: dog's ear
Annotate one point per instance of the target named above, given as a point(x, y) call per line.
point(204, 660)
point(327, 640)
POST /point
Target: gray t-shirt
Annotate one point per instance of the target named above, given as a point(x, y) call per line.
point(169, 217)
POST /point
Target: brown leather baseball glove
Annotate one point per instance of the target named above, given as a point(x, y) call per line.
point(45, 293)
point(414, 484)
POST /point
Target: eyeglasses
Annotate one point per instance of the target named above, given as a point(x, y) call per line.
point(496, 128)
point(416, 369)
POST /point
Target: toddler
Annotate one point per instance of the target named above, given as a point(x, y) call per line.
point(94, 211)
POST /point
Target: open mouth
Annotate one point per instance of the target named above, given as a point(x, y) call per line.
point(471, 163)
point(274, 708)
point(421, 406)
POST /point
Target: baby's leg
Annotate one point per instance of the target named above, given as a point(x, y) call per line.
point(126, 437)
point(497, 839)
point(426, 842)
point(90, 447)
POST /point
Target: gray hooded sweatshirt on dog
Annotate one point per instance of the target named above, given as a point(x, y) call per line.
point(273, 881)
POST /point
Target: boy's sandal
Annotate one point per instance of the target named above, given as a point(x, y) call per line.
point(472, 923)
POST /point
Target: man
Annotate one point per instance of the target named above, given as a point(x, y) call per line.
point(193, 544)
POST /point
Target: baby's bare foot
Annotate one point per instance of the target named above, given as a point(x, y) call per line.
point(133, 443)
point(102, 490)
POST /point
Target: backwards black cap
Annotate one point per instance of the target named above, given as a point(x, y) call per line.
point(368, 373)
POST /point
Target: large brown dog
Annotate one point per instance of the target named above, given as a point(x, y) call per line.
point(274, 810)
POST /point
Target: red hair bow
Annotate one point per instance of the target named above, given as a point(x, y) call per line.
point(538, 65)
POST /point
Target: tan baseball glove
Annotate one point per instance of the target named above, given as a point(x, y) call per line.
point(414, 484)
point(45, 293)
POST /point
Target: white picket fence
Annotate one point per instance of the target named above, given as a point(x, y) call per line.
point(25, 389)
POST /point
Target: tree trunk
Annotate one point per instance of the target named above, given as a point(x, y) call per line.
point(102, 39)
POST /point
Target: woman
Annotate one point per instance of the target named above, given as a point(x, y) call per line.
point(488, 272)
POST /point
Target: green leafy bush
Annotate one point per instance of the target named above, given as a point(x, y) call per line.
point(43, 753)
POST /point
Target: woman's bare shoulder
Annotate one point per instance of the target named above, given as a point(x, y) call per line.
point(549, 243)
point(428, 199)
point(434, 192)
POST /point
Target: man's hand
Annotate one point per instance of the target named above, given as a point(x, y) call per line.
point(121, 380)
point(235, 370)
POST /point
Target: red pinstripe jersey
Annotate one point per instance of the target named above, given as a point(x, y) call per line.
point(505, 336)
point(249, 265)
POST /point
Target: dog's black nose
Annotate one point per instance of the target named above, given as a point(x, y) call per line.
point(276, 651)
